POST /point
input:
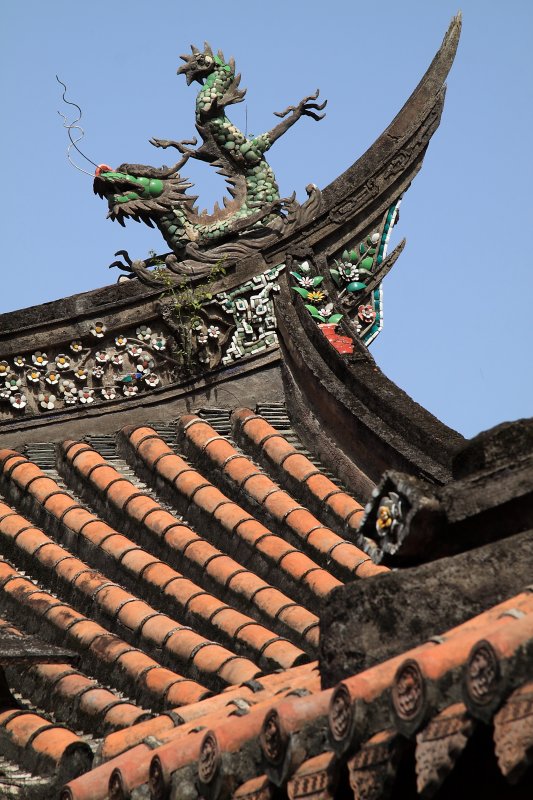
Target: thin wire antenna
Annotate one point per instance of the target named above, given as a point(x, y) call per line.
point(70, 126)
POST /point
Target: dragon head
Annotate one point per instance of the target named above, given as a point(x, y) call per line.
point(139, 193)
point(200, 64)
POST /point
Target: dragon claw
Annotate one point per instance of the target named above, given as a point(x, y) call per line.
point(180, 146)
point(305, 107)
point(124, 266)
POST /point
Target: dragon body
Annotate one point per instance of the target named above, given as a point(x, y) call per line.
point(157, 196)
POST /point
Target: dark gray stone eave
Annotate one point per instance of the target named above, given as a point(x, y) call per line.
point(368, 621)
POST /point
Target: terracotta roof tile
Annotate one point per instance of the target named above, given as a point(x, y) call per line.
point(81, 697)
point(219, 450)
point(190, 483)
point(132, 557)
point(119, 741)
point(438, 746)
point(39, 742)
point(94, 785)
point(239, 469)
point(255, 789)
point(513, 733)
point(292, 467)
point(208, 498)
point(102, 476)
point(85, 634)
point(277, 504)
point(315, 778)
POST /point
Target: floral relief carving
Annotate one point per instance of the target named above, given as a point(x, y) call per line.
point(105, 365)
point(97, 367)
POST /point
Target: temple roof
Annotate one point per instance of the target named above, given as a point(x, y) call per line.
point(256, 568)
point(189, 565)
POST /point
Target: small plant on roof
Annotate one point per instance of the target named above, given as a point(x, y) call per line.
point(186, 299)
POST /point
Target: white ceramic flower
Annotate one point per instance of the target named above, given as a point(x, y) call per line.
point(81, 374)
point(62, 361)
point(101, 356)
point(98, 373)
point(52, 377)
point(76, 346)
point(117, 359)
point(151, 380)
point(158, 342)
point(33, 376)
point(68, 387)
point(40, 359)
point(70, 398)
point(98, 329)
point(108, 392)
point(144, 333)
point(134, 350)
point(18, 400)
point(213, 332)
point(306, 282)
point(19, 362)
point(4, 369)
point(145, 366)
point(130, 389)
point(202, 338)
point(47, 401)
point(86, 396)
point(121, 341)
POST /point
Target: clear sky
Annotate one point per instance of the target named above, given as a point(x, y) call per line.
point(458, 322)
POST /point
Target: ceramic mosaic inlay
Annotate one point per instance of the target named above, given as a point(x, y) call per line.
point(351, 274)
point(104, 365)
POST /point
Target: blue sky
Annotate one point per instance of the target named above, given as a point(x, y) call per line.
point(458, 331)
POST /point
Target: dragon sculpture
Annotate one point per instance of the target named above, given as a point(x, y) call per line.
point(157, 196)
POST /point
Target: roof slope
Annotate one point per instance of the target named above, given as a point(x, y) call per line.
point(159, 558)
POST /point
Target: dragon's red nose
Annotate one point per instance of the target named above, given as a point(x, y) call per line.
point(102, 168)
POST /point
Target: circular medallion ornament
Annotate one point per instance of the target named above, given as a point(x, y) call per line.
point(156, 781)
point(408, 691)
point(340, 714)
point(209, 759)
point(272, 738)
point(116, 786)
point(482, 674)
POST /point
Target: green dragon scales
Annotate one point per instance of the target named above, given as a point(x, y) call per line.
point(158, 195)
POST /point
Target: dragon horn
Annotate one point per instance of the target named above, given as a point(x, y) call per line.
point(194, 50)
point(220, 54)
point(207, 49)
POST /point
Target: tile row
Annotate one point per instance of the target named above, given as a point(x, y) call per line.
point(43, 747)
point(294, 470)
point(180, 745)
point(121, 559)
point(70, 695)
point(103, 654)
point(420, 708)
point(140, 624)
point(233, 528)
point(249, 485)
point(162, 533)
point(234, 699)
